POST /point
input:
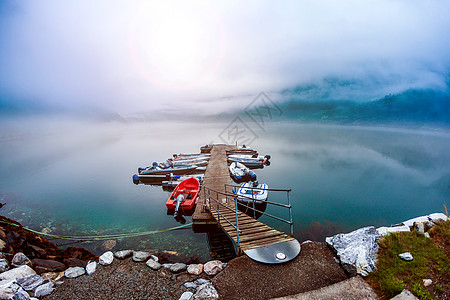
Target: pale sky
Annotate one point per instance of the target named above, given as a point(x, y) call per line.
point(144, 56)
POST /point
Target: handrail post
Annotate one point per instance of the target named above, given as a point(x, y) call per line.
point(237, 219)
point(290, 214)
point(218, 215)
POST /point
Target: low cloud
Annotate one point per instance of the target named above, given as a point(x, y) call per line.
point(215, 56)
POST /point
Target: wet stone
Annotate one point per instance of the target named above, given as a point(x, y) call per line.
point(108, 245)
point(31, 282)
point(186, 296)
point(154, 265)
point(47, 265)
point(91, 267)
point(178, 267)
point(74, 262)
point(37, 251)
point(106, 258)
point(123, 254)
point(4, 266)
point(16, 273)
point(140, 256)
point(190, 285)
point(44, 290)
point(213, 267)
point(74, 272)
point(195, 269)
point(20, 259)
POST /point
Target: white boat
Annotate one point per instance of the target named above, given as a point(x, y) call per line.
point(248, 162)
point(251, 156)
point(241, 173)
point(197, 162)
point(252, 192)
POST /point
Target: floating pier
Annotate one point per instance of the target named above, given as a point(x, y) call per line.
point(216, 206)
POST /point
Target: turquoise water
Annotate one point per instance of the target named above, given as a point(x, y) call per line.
point(74, 177)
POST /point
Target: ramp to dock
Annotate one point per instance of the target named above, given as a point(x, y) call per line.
point(215, 206)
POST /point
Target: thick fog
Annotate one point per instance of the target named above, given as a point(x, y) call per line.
point(212, 56)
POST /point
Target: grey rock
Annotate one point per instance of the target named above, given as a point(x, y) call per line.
point(4, 266)
point(20, 259)
point(419, 227)
point(405, 295)
point(201, 281)
point(74, 272)
point(31, 282)
point(213, 267)
point(106, 258)
point(427, 235)
point(206, 291)
point(167, 266)
point(154, 265)
point(122, 254)
point(178, 267)
point(154, 257)
point(190, 285)
point(140, 256)
point(407, 256)
point(108, 245)
point(16, 273)
point(186, 296)
point(12, 290)
point(195, 269)
point(44, 290)
point(3, 245)
point(356, 250)
point(91, 267)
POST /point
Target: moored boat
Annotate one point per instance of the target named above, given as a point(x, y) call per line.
point(252, 198)
point(240, 173)
point(176, 179)
point(158, 169)
point(184, 195)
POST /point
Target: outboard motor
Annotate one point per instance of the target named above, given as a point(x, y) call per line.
point(255, 183)
point(178, 201)
point(135, 179)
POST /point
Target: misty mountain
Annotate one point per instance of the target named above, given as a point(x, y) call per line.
point(412, 107)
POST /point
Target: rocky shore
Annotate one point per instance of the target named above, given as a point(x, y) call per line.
point(31, 267)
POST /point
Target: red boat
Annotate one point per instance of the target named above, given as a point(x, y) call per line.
point(184, 195)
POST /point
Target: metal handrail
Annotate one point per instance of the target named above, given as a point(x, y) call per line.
point(234, 196)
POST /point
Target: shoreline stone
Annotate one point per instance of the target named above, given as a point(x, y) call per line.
point(122, 254)
point(213, 267)
point(141, 256)
point(106, 258)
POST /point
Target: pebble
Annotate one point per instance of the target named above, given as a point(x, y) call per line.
point(154, 257)
point(4, 266)
point(167, 266)
point(106, 258)
point(427, 282)
point(3, 245)
point(20, 259)
point(206, 291)
point(178, 267)
point(31, 282)
point(74, 272)
point(108, 245)
point(407, 256)
point(201, 281)
point(190, 285)
point(154, 265)
point(195, 269)
point(186, 296)
point(140, 256)
point(213, 267)
point(123, 254)
point(91, 267)
point(44, 290)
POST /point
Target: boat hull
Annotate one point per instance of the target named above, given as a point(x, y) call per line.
point(189, 189)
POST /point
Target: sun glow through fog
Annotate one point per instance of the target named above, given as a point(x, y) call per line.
point(177, 47)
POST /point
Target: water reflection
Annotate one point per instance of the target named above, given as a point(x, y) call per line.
point(74, 177)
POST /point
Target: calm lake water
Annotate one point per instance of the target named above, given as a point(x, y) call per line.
point(74, 177)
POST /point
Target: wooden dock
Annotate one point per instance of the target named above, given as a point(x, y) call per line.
point(216, 176)
point(259, 241)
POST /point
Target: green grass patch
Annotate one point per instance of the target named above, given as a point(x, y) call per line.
point(431, 260)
